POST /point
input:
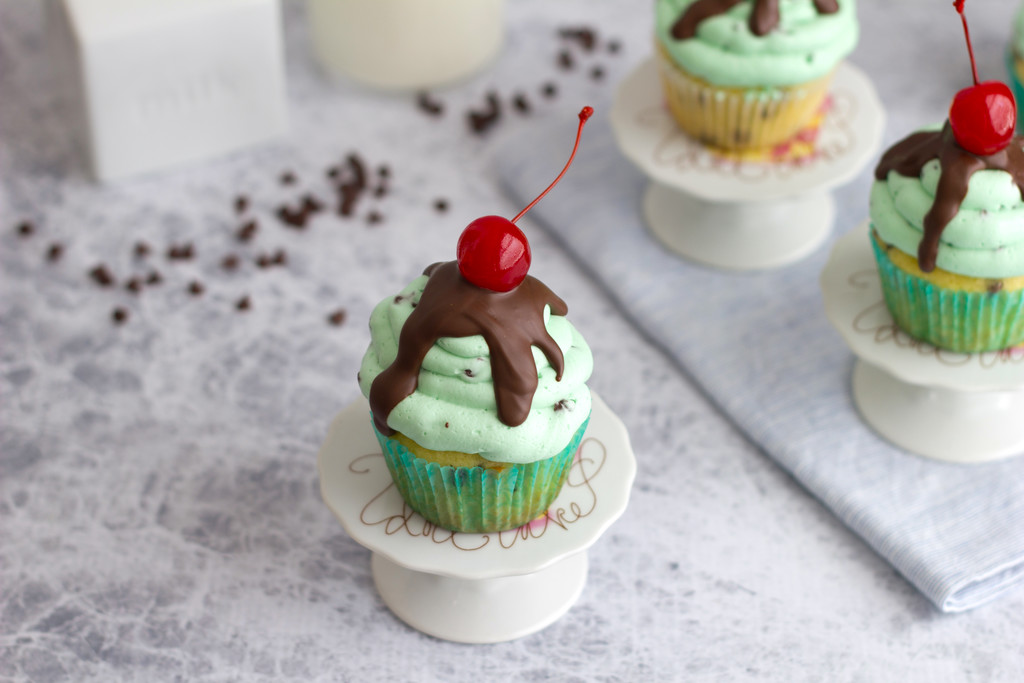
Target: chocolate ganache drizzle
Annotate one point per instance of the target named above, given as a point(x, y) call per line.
point(909, 156)
point(764, 15)
point(510, 322)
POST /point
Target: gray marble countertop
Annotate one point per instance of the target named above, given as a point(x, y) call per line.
point(159, 503)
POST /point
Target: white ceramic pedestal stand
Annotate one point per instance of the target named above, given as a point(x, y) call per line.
point(743, 215)
point(958, 407)
point(476, 588)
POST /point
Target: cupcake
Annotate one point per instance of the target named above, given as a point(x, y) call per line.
point(477, 384)
point(1015, 56)
point(747, 74)
point(947, 216)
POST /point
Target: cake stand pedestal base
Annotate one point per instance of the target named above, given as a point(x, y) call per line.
point(738, 236)
point(480, 610)
point(945, 424)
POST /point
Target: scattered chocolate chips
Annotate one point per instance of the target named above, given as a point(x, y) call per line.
point(278, 258)
point(181, 252)
point(141, 250)
point(241, 204)
point(119, 316)
point(597, 73)
point(102, 276)
point(428, 105)
point(247, 231)
point(337, 318)
point(549, 90)
point(298, 217)
point(25, 229)
point(243, 304)
point(134, 285)
point(585, 37)
point(481, 120)
point(373, 218)
point(565, 60)
point(440, 205)
point(195, 288)
point(288, 178)
point(154, 278)
point(350, 190)
point(54, 253)
point(229, 262)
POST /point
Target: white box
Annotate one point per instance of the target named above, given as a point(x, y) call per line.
point(164, 82)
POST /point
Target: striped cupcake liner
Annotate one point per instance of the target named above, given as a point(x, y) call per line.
point(478, 499)
point(958, 321)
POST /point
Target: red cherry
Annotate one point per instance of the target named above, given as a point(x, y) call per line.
point(983, 116)
point(492, 252)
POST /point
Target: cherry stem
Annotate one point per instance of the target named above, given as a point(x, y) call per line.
point(959, 5)
point(585, 114)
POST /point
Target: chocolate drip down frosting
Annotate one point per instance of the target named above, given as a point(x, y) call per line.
point(764, 15)
point(510, 322)
point(909, 156)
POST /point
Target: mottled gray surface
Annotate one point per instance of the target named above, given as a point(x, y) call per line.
point(158, 496)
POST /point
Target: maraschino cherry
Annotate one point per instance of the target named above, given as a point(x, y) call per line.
point(983, 116)
point(492, 252)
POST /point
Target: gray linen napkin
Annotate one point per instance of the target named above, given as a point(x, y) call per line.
point(760, 346)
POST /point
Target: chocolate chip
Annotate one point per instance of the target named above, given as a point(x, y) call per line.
point(141, 250)
point(586, 37)
point(26, 228)
point(295, 218)
point(565, 60)
point(429, 105)
point(564, 405)
point(119, 316)
point(241, 203)
point(381, 190)
point(481, 120)
point(247, 231)
point(521, 104)
point(154, 278)
point(263, 261)
point(446, 425)
point(229, 262)
point(373, 218)
point(440, 205)
point(333, 172)
point(337, 318)
point(280, 258)
point(134, 285)
point(995, 286)
point(469, 372)
point(288, 178)
point(614, 46)
point(384, 171)
point(549, 90)
point(243, 304)
point(54, 253)
point(311, 204)
point(181, 252)
point(102, 276)
point(195, 288)
point(597, 73)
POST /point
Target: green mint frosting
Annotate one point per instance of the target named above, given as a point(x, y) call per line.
point(454, 409)
point(986, 237)
point(805, 46)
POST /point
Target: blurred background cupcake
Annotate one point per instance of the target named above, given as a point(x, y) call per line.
point(748, 74)
point(1015, 56)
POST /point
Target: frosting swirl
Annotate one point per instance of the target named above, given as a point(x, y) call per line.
point(454, 405)
point(805, 45)
point(985, 236)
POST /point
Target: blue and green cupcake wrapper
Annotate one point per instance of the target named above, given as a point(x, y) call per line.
point(478, 499)
point(955, 320)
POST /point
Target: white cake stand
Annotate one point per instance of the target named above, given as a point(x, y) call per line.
point(476, 588)
point(743, 215)
point(958, 407)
